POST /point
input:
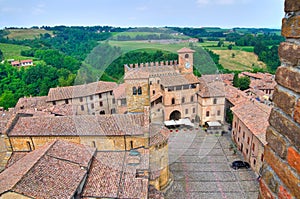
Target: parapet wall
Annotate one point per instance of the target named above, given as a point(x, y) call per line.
point(281, 169)
point(173, 63)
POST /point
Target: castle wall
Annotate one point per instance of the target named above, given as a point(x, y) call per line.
point(136, 103)
point(281, 170)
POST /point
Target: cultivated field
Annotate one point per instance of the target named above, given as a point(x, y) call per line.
point(11, 51)
point(241, 60)
point(20, 34)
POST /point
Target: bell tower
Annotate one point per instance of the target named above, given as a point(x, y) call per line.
point(186, 60)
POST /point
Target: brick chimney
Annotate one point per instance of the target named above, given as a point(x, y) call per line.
point(281, 169)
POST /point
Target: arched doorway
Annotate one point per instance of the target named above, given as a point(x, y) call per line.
point(175, 115)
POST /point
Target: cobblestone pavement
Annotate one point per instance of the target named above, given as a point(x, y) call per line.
point(200, 165)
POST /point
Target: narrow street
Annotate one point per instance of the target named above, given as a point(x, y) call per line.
point(200, 165)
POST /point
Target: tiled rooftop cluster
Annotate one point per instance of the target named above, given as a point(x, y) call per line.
point(81, 125)
point(211, 88)
point(49, 172)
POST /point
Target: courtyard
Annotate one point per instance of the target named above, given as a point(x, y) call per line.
point(200, 165)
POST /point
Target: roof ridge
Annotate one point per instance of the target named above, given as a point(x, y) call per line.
point(37, 157)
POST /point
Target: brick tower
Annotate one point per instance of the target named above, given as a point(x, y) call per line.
point(186, 60)
point(281, 169)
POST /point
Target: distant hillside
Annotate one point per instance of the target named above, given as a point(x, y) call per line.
point(21, 34)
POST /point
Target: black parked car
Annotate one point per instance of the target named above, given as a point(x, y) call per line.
point(240, 164)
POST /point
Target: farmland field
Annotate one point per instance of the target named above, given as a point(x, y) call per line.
point(11, 51)
point(240, 61)
point(20, 34)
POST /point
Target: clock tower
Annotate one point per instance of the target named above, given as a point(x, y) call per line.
point(186, 60)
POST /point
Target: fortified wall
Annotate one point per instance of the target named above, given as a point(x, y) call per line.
point(281, 170)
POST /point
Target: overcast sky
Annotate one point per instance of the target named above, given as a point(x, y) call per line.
point(141, 13)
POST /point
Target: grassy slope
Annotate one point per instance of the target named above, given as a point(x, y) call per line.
point(242, 60)
point(11, 51)
point(20, 34)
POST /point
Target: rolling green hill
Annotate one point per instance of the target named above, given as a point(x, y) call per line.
point(21, 34)
point(12, 51)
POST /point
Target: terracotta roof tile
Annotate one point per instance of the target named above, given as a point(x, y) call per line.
point(255, 116)
point(234, 95)
point(70, 92)
point(80, 125)
point(54, 171)
point(112, 176)
point(178, 80)
point(16, 156)
point(211, 89)
point(119, 91)
point(185, 50)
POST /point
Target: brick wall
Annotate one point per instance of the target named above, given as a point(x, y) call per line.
point(281, 170)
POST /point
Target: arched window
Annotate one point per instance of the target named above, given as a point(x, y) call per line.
point(140, 90)
point(134, 91)
point(173, 100)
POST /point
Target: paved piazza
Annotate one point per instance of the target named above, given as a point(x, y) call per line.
point(200, 165)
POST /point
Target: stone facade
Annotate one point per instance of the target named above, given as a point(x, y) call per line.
point(280, 172)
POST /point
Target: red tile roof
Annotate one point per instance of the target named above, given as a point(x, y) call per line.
point(70, 92)
point(119, 91)
point(255, 116)
point(178, 80)
point(112, 175)
point(53, 171)
point(211, 89)
point(80, 125)
point(234, 95)
point(185, 50)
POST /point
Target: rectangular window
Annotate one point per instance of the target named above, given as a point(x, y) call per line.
point(113, 101)
point(219, 113)
point(262, 157)
point(100, 96)
point(111, 93)
point(54, 103)
point(243, 134)
point(101, 104)
point(91, 97)
point(248, 140)
point(92, 105)
point(82, 107)
point(66, 101)
point(207, 113)
point(186, 111)
point(239, 129)
point(192, 98)
point(194, 110)
point(81, 99)
point(215, 101)
point(253, 147)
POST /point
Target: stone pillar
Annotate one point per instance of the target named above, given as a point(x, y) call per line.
point(281, 169)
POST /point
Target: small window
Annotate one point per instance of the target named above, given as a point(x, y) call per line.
point(113, 100)
point(140, 91)
point(194, 110)
point(254, 162)
point(192, 98)
point(219, 113)
point(29, 146)
point(134, 91)
point(101, 104)
point(94, 144)
point(153, 92)
point(67, 101)
point(82, 107)
point(92, 106)
point(247, 151)
point(186, 111)
point(102, 112)
point(54, 103)
point(131, 144)
point(215, 101)
point(111, 92)
point(113, 111)
point(158, 81)
point(239, 129)
point(91, 97)
point(238, 139)
point(262, 157)
point(234, 124)
point(150, 82)
point(253, 147)
point(123, 102)
point(182, 100)
point(207, 113)
point(186, 56)
point(173, 100)
point(243, 134)
point(81, 99)
point(248, 140)
point(100, 96)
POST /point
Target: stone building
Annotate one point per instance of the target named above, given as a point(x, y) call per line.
point(250, 122)
point(94, 98)
point(175, 92)
point(281, 170)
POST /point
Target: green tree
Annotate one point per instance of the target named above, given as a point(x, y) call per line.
point(244, 83)
point(1, 55)
point(230, 47)
point(236, 80)
point(7, 100)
